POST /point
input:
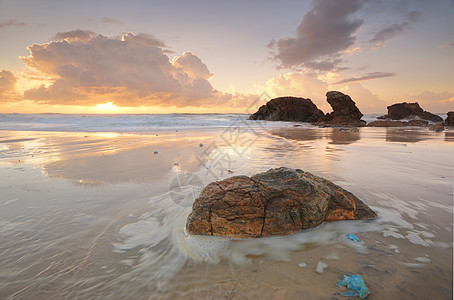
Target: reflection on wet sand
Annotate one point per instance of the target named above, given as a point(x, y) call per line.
point(337, 136)
point(127, 165)
point(449, 136)
point(96, 159)
point(407, 135)
point(346, 136)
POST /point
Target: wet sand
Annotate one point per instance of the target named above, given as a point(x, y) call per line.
point(101, 215)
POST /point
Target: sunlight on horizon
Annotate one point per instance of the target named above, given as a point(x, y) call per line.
point(107, 107)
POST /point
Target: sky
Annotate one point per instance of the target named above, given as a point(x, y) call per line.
point(156, 56)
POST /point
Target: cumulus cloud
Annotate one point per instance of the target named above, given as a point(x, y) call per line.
point(307, 84)
point(131, 70)
point(381, 37)
point(368, 76)
point(78, 34)
point(8, 86)
point(300, 84)
point(366, 101)
point(325, 32)
point(12, 23)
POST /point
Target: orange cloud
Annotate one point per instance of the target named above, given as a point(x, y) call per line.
point(301, 84)
point(8, 86)
point(310, 85)
point(440, 102)
point(366, 101)
point(131, 70)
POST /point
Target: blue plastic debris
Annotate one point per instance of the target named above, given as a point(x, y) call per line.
point(355, 285)
point(353, 237)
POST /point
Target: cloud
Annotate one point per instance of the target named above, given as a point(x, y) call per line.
point(300, 84)
point(78, 34)
point(8, 86)
point(307, 84)
point(111, 21)
point(324, 33)
point(431, 96)
point(131, 70)
point(380, 38)
point(447, 45)
point(323, 65)
point(367, 102)
point(368, 76)
point(439, 102)
point(11, 23)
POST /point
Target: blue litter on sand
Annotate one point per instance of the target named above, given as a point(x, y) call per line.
point(355, 285)
point(353, 237)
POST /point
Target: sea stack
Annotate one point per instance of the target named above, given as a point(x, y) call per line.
point(345, 112)
point(450, 119)
point(404, 110)
point(288, 109)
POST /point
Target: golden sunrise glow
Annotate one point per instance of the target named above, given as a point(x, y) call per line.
point(107, 107)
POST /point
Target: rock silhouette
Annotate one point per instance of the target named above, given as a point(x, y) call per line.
point(345, 112)
point(406, 110)
point(288, 109)
point(450, 119)
point(396, 123)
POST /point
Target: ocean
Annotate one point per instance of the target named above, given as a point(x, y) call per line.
point(133, 122)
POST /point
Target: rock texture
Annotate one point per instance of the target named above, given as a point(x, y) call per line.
point(385, 123)
point(406, 110)
point(277, 202)
point(345, 112)
point(450, 119)
point(391, 123)
point(437, 127)
point(288, 109)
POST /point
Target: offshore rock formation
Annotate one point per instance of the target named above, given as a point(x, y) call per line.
point(391, 123)
point(450, 119)
point(277, 202)
point(406, 110)
point(345, 112)
point(437, 127)
point(288, 109)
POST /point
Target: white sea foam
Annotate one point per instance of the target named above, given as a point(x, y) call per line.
point(9, 202)
point(320, 267)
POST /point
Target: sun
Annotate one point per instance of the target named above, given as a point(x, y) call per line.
point(107, 107)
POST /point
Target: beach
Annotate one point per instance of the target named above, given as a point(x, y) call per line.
point(101, 215)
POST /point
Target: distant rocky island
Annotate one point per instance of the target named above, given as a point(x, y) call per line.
point(346, 113)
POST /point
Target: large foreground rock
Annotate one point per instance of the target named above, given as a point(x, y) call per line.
point(450, 119)
point(278, 202)
point(406, 110)
point(345, 112)
point(288, 109)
